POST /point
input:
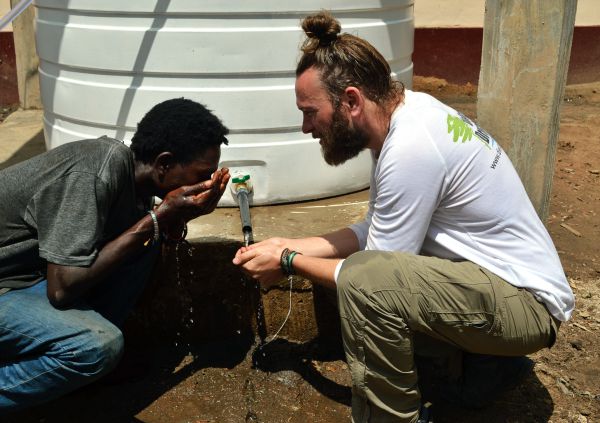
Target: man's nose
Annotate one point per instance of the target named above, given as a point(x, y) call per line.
point(307, 126)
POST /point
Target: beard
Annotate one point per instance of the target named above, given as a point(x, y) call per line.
point(341, 142)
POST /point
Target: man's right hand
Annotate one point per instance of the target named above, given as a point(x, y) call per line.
point(188, 202)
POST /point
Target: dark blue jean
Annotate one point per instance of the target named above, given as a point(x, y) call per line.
point(46, 353)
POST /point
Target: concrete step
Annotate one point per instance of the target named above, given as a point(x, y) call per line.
point(197, 294)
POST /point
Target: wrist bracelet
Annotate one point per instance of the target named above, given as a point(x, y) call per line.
point(286, 260)
point(289, 260)
point(283, 261)
point(156, 236)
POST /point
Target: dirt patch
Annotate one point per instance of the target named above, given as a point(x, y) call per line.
point(7, 110)
point(571, 370)
point(309, 382)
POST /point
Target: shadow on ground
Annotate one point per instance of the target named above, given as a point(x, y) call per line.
point(530, 402)
point(143, 376)
point(216, 382)
point(33, 147)
point(191, 356)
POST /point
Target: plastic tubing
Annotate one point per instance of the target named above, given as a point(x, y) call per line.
point(244, 210)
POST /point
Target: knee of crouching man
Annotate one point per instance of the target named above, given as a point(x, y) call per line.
point(102, 351)
point(370, 270)
point(355, 271)
point(110, 350)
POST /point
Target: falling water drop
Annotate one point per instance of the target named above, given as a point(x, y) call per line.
point(177, 265)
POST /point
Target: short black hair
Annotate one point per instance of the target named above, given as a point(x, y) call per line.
point(181, 126)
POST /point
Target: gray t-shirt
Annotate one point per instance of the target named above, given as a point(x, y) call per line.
point(63, 206)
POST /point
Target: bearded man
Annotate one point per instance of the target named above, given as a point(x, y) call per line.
point(451, 250)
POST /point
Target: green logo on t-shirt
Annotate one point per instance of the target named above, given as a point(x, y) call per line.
point(461, 127)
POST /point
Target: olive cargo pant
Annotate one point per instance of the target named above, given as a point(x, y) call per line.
point(386, 297)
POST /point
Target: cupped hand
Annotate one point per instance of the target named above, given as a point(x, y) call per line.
point(188, 202)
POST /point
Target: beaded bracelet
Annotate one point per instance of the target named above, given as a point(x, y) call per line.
point(283, 261)
point(286, 260)
point(289, 260)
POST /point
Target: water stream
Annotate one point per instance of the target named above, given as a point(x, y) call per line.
point(261, 326)
point(186, 299)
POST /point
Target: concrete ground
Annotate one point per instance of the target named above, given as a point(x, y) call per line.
point(21, 137)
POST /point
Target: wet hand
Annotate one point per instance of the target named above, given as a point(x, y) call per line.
point(276, 242)
point(188, 202)
point(261, 262)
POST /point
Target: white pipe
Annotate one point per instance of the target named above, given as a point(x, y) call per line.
point(14, 12)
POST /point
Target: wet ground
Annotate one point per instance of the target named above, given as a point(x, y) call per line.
point(191, 343)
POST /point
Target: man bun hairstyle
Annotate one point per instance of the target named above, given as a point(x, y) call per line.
point(181, 126)
point(320, 30)
point(345, 60)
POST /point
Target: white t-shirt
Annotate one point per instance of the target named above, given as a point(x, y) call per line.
point(442, 186)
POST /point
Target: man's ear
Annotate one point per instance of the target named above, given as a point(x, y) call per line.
point(354, 99)
point(162, 163)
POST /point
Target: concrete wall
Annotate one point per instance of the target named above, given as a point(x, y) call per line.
point(448, 39)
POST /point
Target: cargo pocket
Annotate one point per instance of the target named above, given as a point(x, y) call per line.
point(463, 312)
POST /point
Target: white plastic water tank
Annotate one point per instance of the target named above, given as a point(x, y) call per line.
point(104, 63)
